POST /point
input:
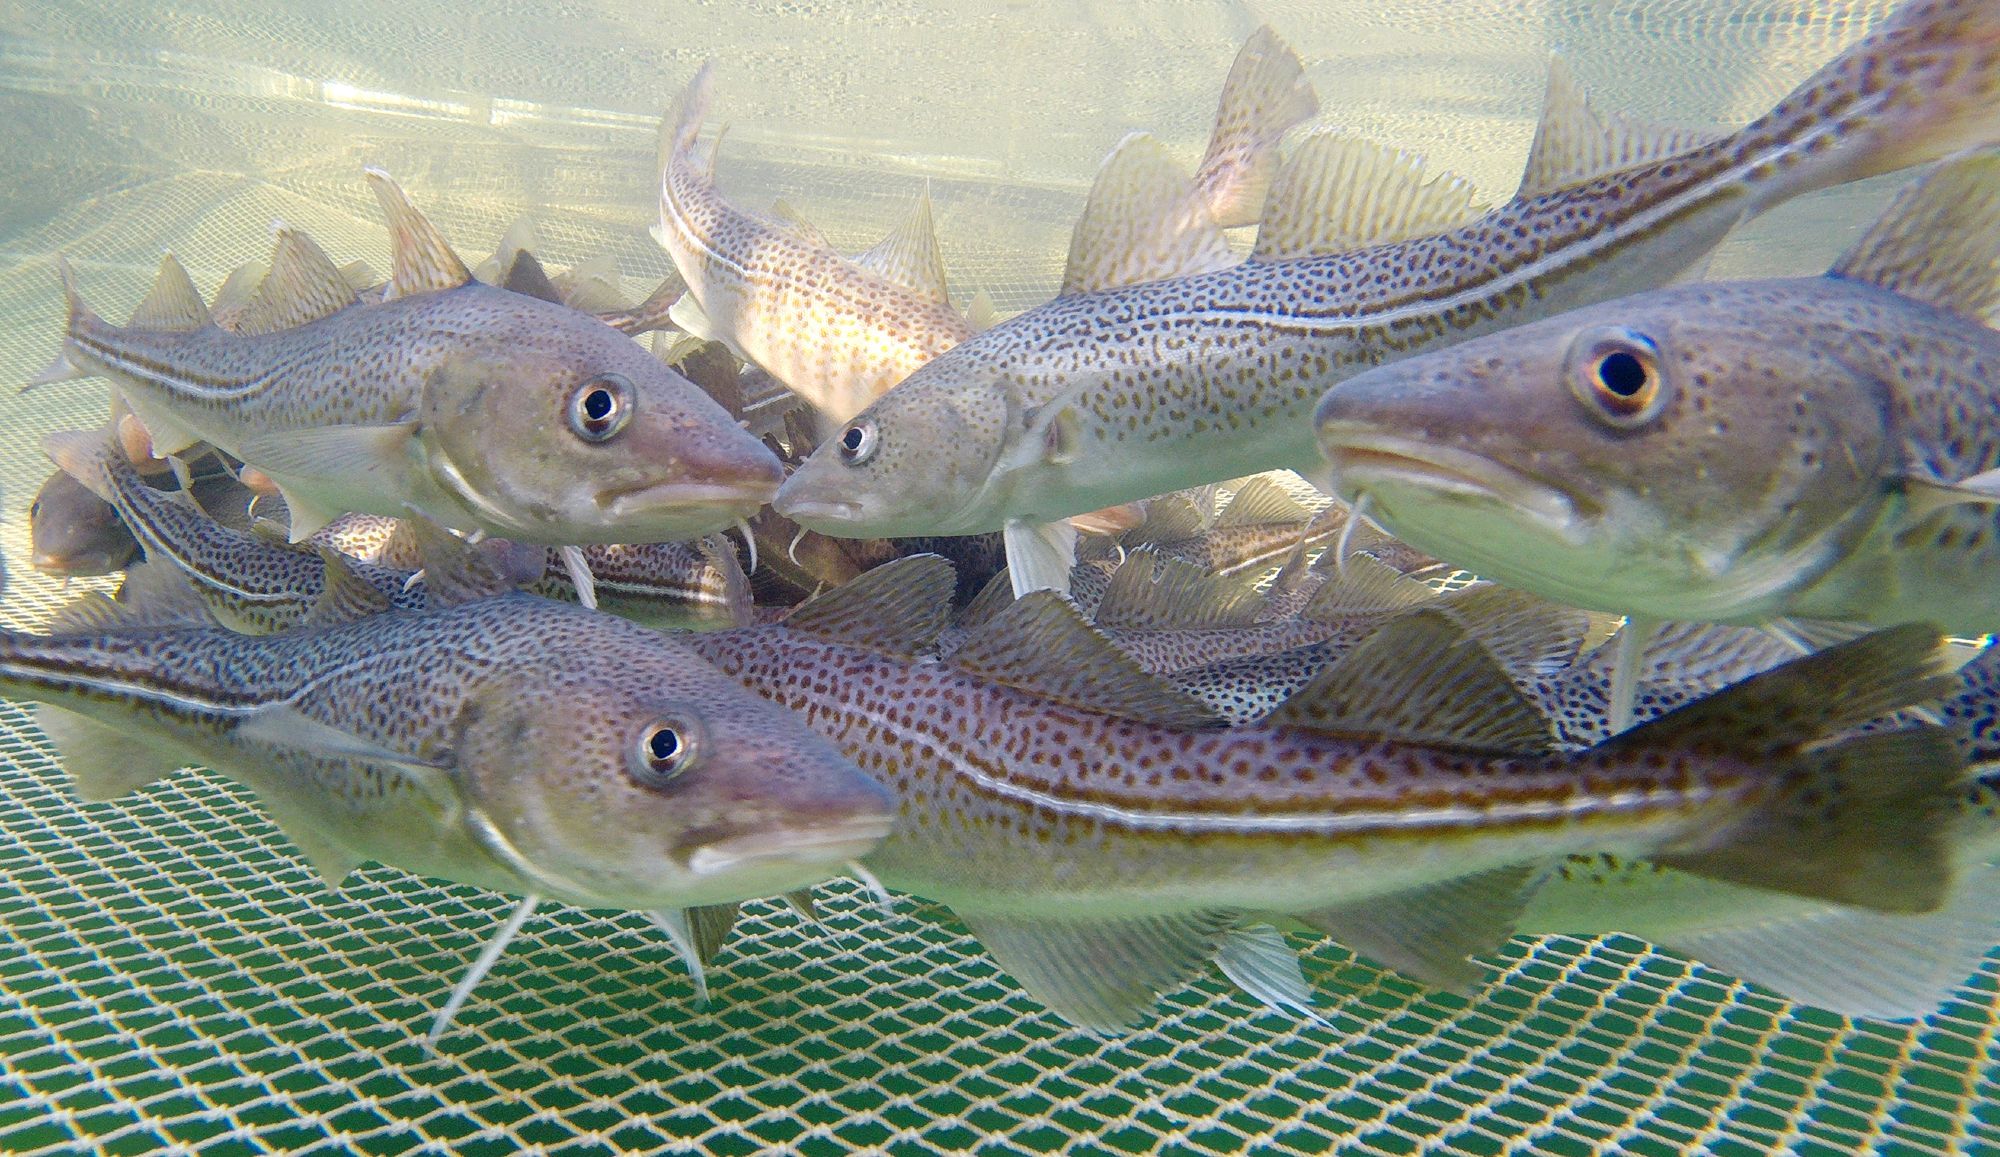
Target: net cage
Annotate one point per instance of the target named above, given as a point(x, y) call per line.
point(172, 977)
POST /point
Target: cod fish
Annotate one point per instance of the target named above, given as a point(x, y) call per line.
point(1116, 391)
point(1103, 841)
point(1735, 452)
point(488, 410)
point(840, 332)
point(511, 743)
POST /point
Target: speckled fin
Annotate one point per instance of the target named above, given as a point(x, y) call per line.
point(1149, 591)
point(1364, 587)
point(1266, 94)
point(1261, 500)
point(154, 594)
point(1429, 933)
point(420, 260)
point(303, 286)
point(1528, 636)
point(1419, 679)
point(1040, 643)
point(524, 275)
point(1575, 143)
point(103, 760)
point(172, 303)
point(1339, 192)
point(897, 608)
point(345, 596)
point(1939, 240)
point(1101, 975)
point(909, 256)
point(1144, 221)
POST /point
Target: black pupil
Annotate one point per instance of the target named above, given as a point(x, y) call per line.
point(1622, 374)
point(851, 440)
point(597, 405)
point(663, 745)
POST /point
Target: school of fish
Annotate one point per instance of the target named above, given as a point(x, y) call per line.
point(1033, 618)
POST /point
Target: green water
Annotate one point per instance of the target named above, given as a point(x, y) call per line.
point(172, 976)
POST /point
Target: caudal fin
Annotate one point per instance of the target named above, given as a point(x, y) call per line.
point(682, 124)
point(1855, 821)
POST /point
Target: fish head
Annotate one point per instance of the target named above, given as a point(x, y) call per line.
point(928, 457)
point(74, 532)
point(625, 789)
point(1672, 454)
point(574, 434)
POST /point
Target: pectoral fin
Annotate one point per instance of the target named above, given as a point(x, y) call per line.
point(1040, 555)
point(105, 761)
point(1928, 496)
point(327, 471)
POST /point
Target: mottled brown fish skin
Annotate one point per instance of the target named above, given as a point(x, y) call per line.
point(1174, 383)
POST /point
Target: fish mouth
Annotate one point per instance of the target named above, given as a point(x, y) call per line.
point(1365, 461)
point(808, 511)
point(736, 498)
point(828, 843)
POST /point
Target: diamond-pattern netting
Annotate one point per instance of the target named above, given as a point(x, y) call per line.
point(171, 974)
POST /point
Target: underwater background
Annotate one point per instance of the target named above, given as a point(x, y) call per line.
point(173, 976)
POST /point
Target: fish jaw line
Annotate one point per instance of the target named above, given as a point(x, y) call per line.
point(1365, 462)
point(829, 844)
point(728, 501)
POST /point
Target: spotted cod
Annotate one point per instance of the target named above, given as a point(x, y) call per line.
point(1117, 391)
point(487, 410)
point(841, 331)
point(1104, 841)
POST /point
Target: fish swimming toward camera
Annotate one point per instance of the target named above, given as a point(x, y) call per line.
point(841, 331)
point(512, 743)
point(1104, 842)
point(485, 409)
point(1737, 452)
point(1117, 391)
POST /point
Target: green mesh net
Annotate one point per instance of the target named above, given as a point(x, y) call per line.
point(173, 977)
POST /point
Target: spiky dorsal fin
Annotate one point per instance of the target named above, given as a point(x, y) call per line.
point(523, 274)
point(1144, 221)
point(1266, 94)
point(896, 609)
point(1362, 587)
point(1150, 592)
point(344, 596)
point(1575, 143)
point(1340, 192)
point(1939, 240)
point(1527, 636)
point(420, 259)
point(650, 314)
point(909, 256)
point(303, 286)
point(787, 215)
point(980, 313)
point(236, 292)
point(1262, 500)
point(1422, 680)
point(1171, 518)
point(1040, 643)
point(173, 303)
point(996, 596)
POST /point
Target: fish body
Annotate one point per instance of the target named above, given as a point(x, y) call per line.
point(1808, 447)
point(1056, 822)
point(1103, 397)
point(74, 532)
point(512, 743)
point(487, 409)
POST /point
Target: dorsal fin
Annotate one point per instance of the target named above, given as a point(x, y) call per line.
point(1266, 94)
point(520, 237)
point(909, 255)
point(650, 314)
point(896, 609)
point(787, 215)
point(458, 570)
point(1261, 500)
point(1150, 592)
point(359, 275)
point(1340, 192)
point(1170, 518)
point(303, 286)
point(1526, 635)
point(173, 303)
point(1144, 221)
point(593, 285)
point(420, 260)
point(237, 290)
point(1365, 586)
point(1575, 143)
point(1040, 643)
point(524, 274)
point(1420, 679)
point(996, 596)
point(1939, 240)
point(980, 313)
point(344, 596)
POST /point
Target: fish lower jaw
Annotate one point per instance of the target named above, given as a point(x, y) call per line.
point(1369, 465)
point(824, 847)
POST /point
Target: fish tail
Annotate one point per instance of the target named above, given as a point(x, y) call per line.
point(1861, 820)
point(69, 364)
point(1923, 84)
point(681, 127)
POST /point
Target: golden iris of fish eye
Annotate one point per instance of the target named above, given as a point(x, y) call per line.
point(664, 750)
point(1615, 372)
point(857, 443)
point(599, 407)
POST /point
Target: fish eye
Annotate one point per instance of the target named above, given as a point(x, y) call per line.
point(1615, 372)
point(35, 509)
point(857, 443)
point(663, 750)
point(600, 407)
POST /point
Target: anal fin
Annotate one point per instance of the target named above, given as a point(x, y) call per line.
point(1430, 933)
point(1100, 974)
